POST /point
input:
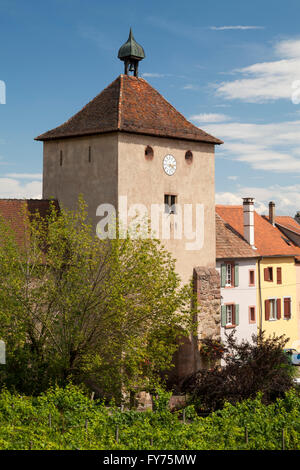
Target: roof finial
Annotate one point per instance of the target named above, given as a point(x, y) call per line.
point(131, 53)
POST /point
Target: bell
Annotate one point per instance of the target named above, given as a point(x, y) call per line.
point(131, 67)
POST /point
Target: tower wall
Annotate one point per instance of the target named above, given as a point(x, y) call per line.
point(89, 166)
point(145, 182)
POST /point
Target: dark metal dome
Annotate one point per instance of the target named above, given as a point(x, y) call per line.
point(131, 49)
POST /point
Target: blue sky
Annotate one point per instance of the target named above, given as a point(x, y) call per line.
point(230, 67)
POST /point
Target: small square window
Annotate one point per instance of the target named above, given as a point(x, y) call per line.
point(268, 274)
point(170, 203)
point(252, 318)
point(251, 277)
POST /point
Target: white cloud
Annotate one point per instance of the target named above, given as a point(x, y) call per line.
point(13, 188)
point(286, 198)
point(189, 86)
point(233, 177)
point(153, 75)
point(240, 27)
point(35, 176)
point(209, 117)
point(274, 147)
point(266, 81)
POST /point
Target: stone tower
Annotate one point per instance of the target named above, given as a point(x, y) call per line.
point(130, 142)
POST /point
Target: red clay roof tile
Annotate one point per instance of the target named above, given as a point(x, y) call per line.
point(288, 222)
point(129, 104)
point(268, 239)
point(229, 243)
point(14, 210)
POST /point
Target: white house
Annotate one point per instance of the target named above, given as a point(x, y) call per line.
point(236, 264)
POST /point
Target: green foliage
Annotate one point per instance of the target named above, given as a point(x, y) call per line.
point(107, 313)
point(66, 418)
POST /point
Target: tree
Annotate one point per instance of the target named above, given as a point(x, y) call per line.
point(104, 312)
point(249, 368)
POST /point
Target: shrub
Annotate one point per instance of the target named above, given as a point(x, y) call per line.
point(249, 368)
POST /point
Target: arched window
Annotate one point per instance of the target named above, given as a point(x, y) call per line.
point(188, 156)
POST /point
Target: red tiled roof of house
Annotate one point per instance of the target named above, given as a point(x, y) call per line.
point(14, 212)
point(288, 222)
point(229, 243)
point(129, 104)
point(268, 239)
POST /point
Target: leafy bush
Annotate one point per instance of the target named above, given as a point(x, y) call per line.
point(249, 368)
point(65, 418)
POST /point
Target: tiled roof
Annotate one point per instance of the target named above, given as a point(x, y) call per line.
point(229, 243)
point(14, 210)
point(129, 104)
point(268, 239)
point(289, 223)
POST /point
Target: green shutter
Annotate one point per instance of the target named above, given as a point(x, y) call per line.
point(223, 315)
point(236, 275)
point(223, 275)
point(236, 313)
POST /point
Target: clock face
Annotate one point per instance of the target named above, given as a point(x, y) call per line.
point(169, 164)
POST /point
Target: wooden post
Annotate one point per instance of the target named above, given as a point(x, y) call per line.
point(92, 396)
point(86, 425)
point(283, 440)
point(246, 435)
point(183, 415)
point(117, 434)
point(50, 422)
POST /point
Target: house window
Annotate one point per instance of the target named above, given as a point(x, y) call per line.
point(170, 203)
point(287, 310)
point(252, 318)
point(229, 275)
point(271, 309)
point(251, 277)
point(229, 315)
point(268, 274)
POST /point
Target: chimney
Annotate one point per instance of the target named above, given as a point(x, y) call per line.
point(272, 212)
point(248, 210)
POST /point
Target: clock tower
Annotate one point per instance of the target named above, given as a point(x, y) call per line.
point(130, 144)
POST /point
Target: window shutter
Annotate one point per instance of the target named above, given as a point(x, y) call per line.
point(278, 309)
point(223, 275)
point(223, 315)
point(266, 274)
point(279, 276)
point(287, 308)
point(267, 310)
point(237, 314)
point(236, 275)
